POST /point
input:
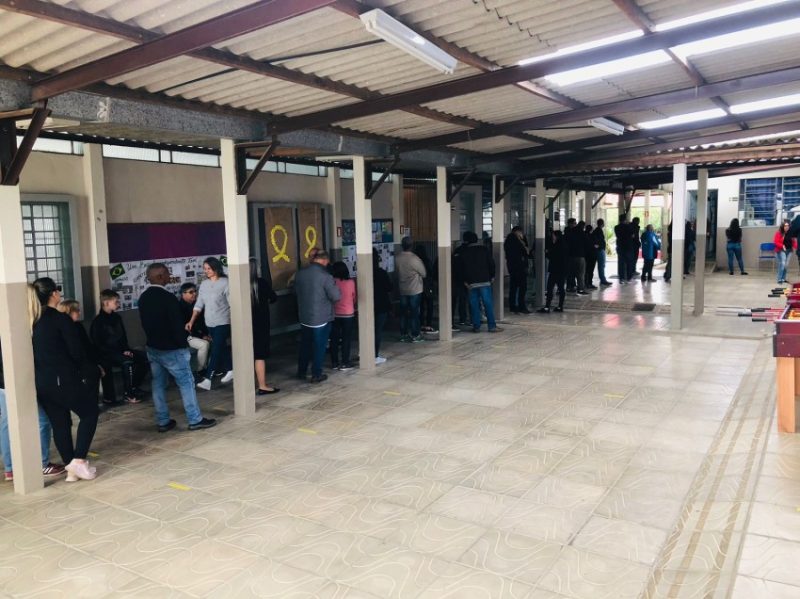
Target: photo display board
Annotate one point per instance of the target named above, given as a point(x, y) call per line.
point(281, 242)
point(382, 240)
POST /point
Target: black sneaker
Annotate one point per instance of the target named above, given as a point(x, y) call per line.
point(346, 367)
point(559, 309)
point(544, 310)
point(319, 379)
point(165, 428)
point(204, 423)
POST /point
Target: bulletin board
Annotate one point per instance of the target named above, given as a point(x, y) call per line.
point(281, 242)
point(382, 240)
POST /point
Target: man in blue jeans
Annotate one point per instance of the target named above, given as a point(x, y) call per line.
point(316, 294)
point(168, 351)
point(477, 270)
point(411, 274)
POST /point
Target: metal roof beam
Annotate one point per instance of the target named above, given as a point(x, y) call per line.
point(219, 29)
point(689, 94)
point(517, 73)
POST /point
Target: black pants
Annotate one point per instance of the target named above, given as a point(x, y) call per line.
point(460, 301)
point(426, 309)
point(517, 291)
point(647, 270)
point(556, 280)
point(341, 336)
point(134, 369)
point(57, 403)
point(591, 261)
point(577, 272)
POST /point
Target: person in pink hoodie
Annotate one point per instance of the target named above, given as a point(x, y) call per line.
point(345, 317)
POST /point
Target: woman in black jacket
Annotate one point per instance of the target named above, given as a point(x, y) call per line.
point(91, 370)
point(734, 247)
point(261, 296)
point(58, 362)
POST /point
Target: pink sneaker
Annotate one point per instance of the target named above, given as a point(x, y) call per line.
point(80, 470)
point(8, 477)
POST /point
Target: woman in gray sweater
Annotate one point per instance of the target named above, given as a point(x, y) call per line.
point(212, 300)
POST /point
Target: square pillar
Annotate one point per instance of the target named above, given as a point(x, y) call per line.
point(364, 282)
point(700, 253)
point(678, 235)
point(647, 198)
point(15, 334)
point(236, 241)
point(333, 189)
point(498, 231)
point(445, 252)
point(540, 265)
point(589, 198)
point(95, 275)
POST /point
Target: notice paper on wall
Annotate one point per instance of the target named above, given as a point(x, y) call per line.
point(128, 278)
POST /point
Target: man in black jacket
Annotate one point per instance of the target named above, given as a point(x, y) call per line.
point(517, 254)
point(557, 265)
point(460, 292)
point(623, 234)
point(599, 244)
point(168, 350)
point(477, 270)
point(575, 237)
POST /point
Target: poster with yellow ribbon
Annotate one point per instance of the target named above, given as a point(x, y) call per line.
point(309, 221)
point(281, 244)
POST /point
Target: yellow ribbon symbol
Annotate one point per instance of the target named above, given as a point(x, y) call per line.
point(281, 255)
point(311, 239)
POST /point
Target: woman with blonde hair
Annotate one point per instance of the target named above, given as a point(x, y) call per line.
point(58, 359)
point(48, 468)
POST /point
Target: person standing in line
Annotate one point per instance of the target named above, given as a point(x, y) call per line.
point(517, 254)
point(198, 339)
point(213, 301)
point(92, 368)
point(557, 266)
point(58, 361)
point(590, 255)
point(734, 235)
point(168, 351)
point(575, 236)
point(382, 289)
point(689, 245)
point(478, 271)
point(460, 294)
point(410, 281)
point(784, 245)
point(316, 295)
point(426, 312)
point(636, 245)
point(344, 312)
point(599, 245)
point(668, 269)
point(650, 246)
point(261, 296)
point(622, 234)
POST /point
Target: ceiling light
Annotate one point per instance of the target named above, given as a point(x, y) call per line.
point(607, 125)
point(689, 117)
point(613, 67)
point(393, 31)
point(716, 14)
point(766, 104)
point(628, 35)
point(766, 33)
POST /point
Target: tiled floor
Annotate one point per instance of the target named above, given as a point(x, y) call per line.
point(583, 456)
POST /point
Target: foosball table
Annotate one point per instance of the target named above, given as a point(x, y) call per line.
point(786, 349)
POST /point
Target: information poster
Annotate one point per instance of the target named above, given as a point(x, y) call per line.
point(309, 224)
point(129, 278)
point(281, 245)
point(382, 240)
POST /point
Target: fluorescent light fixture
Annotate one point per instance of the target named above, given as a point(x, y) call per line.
point(689, 117)
point(766, 33)
point(613, 67)
point(607, 125)
point(382, 25)
point(628, 35)
point(716, 14)
point(766, 104)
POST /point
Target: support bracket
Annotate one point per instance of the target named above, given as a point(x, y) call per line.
point(629, 201)
point(241, 165)
point(555, 198)
point(598, 200)
point(13, 158)
point(377, 185)
point(507, 189)
point(460, 185)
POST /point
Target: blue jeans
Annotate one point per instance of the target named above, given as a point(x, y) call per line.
point(176, 362)
point(601, 265)
point(783, 259)
point(409, 314)
point(312, 349)
point(481, 294)
point(220, 358)
point(5, 442)
point(735, 250)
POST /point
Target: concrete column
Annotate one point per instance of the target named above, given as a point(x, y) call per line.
point(236, 241)
point(364, 282)
point(539, 242)
point(646, 209)
point(15, 334)
point(333, 190)
point(678, 235)
point(498, 233)
point(95, 275)
point(621, 204)
point(589, 198)
point(398, 210)
point(700, 254)
point(444, 244)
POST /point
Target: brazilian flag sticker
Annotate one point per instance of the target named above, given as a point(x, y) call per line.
point(117, 271)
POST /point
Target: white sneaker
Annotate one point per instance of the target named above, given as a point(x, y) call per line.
point(227, 378)
point(80, 470)
point(380, 360)
point(205, 385)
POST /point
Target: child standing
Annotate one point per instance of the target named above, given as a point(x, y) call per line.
point(650, 246)
point(345, 312)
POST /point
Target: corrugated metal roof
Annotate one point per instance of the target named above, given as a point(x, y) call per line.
point(499, 105)
point(495, 144)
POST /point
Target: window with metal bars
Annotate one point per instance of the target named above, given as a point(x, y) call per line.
point(48, 243)
point(762, 201)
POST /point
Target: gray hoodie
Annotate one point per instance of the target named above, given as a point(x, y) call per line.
point(316, 294)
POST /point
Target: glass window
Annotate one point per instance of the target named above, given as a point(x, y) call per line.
point(302, 169)
point(147, 154)
point(48, 244)
point(196, 159)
